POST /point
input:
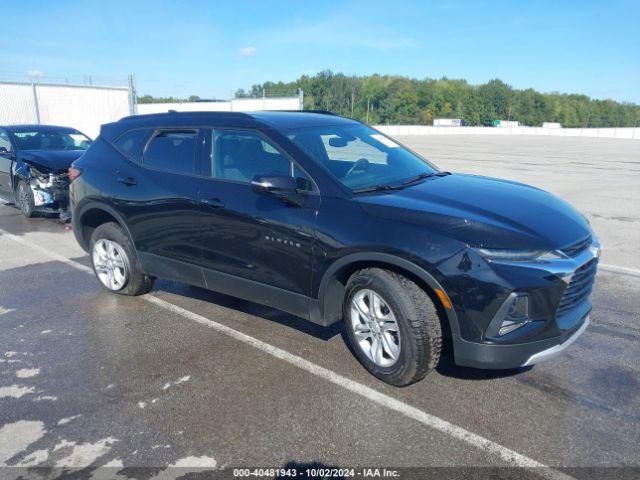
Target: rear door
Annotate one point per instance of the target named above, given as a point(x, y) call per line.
point(6, 163)
point(247, 234)
point(155, 190)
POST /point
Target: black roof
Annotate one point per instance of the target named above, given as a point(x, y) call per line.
point(295, 119)
point(274, 119)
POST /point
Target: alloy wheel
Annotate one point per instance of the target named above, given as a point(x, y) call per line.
point(111, 264)
point(375, 328)
point(23, 198)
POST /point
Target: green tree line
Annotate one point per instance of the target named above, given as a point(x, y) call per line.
point(392, 99)
point(151, 99)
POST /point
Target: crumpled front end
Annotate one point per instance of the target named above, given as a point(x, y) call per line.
point(50, 191)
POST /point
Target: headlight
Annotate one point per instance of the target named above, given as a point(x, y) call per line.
point(519, 255)
point(35, 172)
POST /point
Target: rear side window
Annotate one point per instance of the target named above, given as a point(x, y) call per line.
point(173, 150)
point(132, 143)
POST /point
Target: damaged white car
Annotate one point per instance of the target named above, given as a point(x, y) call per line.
point(34, 163)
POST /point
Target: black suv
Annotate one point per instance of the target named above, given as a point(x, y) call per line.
point(328, 219)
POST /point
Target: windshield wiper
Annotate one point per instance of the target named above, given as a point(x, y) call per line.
point(385, 186)
point(378, 188)
point(422, 176)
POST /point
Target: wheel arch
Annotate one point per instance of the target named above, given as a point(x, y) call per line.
point(90, 216)
point(334, 281)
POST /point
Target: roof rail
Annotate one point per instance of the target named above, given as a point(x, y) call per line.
point(323, 112)
point(196, 113)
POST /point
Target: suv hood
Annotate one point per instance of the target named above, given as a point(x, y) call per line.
point(55, 161)
point(483, 212)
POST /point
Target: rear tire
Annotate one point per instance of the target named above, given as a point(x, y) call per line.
point(24, 199)
point(115, 262)
point(412, 347)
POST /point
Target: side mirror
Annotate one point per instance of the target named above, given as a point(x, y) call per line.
point(279, 186)
point(338, 142)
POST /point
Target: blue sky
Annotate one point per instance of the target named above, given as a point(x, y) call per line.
point(211, 48)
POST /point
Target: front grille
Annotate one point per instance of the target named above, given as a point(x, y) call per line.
point(578, 247)
point(579, 288)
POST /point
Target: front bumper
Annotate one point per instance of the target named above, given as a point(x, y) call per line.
point(51, 193)
point(497, 357)
point(558, 293)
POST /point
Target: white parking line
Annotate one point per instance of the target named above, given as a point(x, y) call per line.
point(46, 251)
point(634, 272)
point(509, 456)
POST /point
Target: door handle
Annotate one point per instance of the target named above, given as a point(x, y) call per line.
point(212, 202)
point(128, 180)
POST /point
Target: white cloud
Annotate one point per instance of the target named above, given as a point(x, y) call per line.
point(247, 51)
point(35, 73)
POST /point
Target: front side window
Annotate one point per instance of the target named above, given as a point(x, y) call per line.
point(5, 143)
point(51, 140)
point(241, 155)
point(173, 150)
point(358, 156)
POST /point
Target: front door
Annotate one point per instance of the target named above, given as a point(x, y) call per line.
point(250, 235)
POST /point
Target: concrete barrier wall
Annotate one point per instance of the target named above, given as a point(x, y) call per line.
point(628, 133)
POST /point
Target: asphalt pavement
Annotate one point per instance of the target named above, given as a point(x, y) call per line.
point(190, 379)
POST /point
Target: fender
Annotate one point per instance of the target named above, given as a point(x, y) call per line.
point(20, 172)
point(326, 293)
point(93, 204)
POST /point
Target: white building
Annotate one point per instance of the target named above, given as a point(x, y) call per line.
point(506, 123)
point(447, 122)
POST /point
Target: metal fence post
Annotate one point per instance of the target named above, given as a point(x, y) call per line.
point(301, 99)
point(132, 96)
point(35, 102)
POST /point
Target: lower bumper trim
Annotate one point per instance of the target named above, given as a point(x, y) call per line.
point(501, 357)
point(556, 350)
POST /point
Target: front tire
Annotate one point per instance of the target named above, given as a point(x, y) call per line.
point(115, 263)
point(392, 326)
point(25, 200)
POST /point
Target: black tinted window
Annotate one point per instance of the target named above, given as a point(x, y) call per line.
point(133, 143)
point(240, 155)
point(302, 179)
point(172, 150)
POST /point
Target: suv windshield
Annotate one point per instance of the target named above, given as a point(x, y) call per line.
point(358, 156)
point(51, 140)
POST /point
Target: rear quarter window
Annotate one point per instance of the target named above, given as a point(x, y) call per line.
point(132, 143)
